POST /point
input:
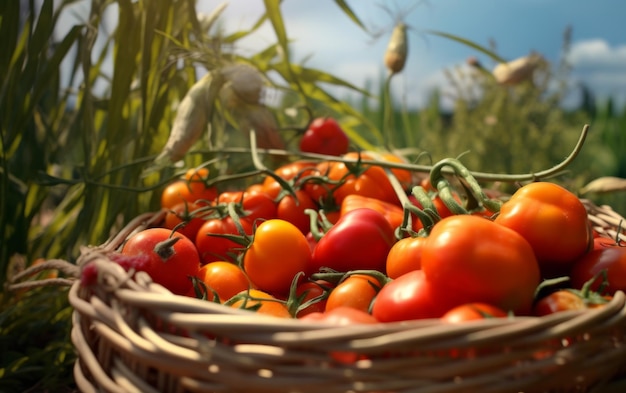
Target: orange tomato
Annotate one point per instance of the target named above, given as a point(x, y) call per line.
point(261, 302)
point(223, 278)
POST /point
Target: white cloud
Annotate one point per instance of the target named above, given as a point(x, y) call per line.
point(601, 67)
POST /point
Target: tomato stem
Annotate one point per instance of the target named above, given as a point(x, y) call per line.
point(165, 248)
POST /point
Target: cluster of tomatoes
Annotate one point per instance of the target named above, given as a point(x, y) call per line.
point(332, 241)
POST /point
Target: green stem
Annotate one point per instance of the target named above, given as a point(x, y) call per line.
point(445, 193)
point(481, 176)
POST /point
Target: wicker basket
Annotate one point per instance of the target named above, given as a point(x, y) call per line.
point(133, 335)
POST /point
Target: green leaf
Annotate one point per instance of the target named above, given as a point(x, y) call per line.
point(348, 11)
point(469, 43)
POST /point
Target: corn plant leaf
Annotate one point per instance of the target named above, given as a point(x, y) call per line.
point(469, 43)
point(348, 11)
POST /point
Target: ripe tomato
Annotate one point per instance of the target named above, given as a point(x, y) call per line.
point(260, 302)
point(184, 191)
point(291, 172)
point(392, 212)
point(197, 178)
point(346, 179)
point(361, 239)
point(309, 290)
point(553, 220)
point(407, 297)
point(470, 259)
point(473, 311)
point(254, 205)
point(611, 258)
point(172, 257)
point(223, 278)
point(356, 291)
point(292, 209)
point(213, 247)
point(325, 136)
point(564, 300)
point(278, 252)
point(186, 218)
point(343, 316)
point(405, 256)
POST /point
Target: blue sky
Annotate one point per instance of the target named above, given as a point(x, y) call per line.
point(323, 37)
point(328, 40)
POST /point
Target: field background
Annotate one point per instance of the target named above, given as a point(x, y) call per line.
point(71, 158)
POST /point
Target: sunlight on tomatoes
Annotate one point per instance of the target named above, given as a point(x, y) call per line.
point(279, 251)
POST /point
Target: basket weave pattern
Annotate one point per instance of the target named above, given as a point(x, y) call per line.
point(134, 335)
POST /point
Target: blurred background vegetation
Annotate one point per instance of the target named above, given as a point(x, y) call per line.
point(72, 150)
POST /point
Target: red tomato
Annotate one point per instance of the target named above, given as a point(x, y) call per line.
point(342, 316)
point(173, 258)
point(291, 172)
point(254, 205)
point(292, 209)
point(473, 311)
point(309, 290)
point(392, 212)
point(356, 291)
point(186, 218)
point(609, 258)
point(361, 239)
point(553, 220)
point(278, 252)
point(470, 259)
point(405, 256)
point(600, 242)
point(325, 136)
point(564, 300)
point(223, 278)
point(405, 298)
point(213, 247)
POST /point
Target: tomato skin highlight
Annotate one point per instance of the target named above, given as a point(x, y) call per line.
point(609, 258)
point(225, 278)
point(185, 217)
point(561, 300)
point(472, 259)
point(171, 267)
point(407, 297)
point(214, 248)
point(361, 239)
point(405, 256)
point(356, 291)
point(278, 252)
point(553, 220)
point(472, 312)
point(291, 208)
point(325, 136)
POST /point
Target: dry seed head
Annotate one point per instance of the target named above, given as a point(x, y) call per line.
point(397, 49)
point(192, 116)
point(604, 185)
point(517, 71)
point(245, 83)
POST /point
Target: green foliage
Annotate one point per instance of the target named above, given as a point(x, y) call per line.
point(71, 158)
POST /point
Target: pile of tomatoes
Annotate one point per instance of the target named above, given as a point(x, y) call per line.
point(332, 241)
